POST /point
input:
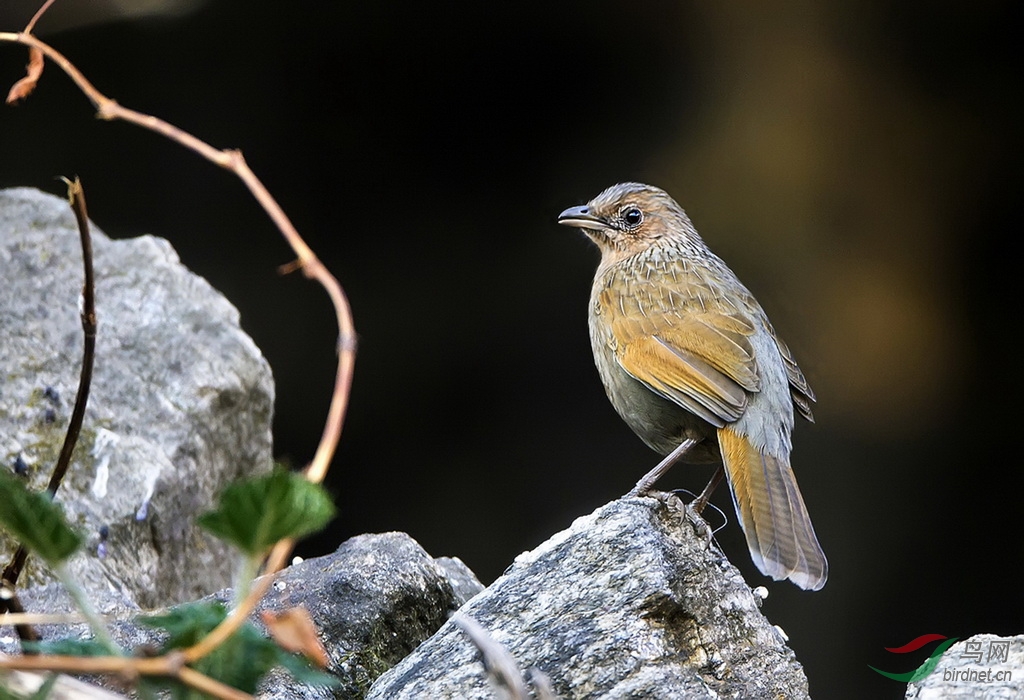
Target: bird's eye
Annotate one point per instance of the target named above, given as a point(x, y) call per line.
point(632, 217)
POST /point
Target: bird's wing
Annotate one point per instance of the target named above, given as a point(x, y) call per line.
point(799, 389)
point(701, 359)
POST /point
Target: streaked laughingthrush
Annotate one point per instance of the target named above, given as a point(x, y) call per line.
point(690, 361)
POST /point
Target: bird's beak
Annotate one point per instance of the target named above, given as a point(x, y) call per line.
point(580, 217)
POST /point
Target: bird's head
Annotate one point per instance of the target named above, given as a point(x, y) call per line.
point(629, 218)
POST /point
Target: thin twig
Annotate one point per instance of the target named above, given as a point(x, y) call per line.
point(76, 198)
point(24, 618)
point(311, 266)
point(12, 571)
point(35, 18)
point(10, 603)
point(170, 665)
point(209, 685)
point(499, 664)
point(237, 617)
point(96, 665)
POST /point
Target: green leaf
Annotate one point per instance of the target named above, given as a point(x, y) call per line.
point(255, 513)
point(186, 624)
point(36, 521)
point(69, 647)
point(241, 661)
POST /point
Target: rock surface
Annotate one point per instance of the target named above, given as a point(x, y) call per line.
point(630, 601)
point(984, 667)
point(372, 601)
point(633, 600)
point(181, 400)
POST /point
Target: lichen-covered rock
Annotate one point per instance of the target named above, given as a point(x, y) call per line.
point(632, 601)
point(180, 405)
point(373, 601)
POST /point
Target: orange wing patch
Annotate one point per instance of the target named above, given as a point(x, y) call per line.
point(702, 361)
point(685, 379)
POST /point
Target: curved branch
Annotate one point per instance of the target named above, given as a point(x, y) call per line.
point(307, 261)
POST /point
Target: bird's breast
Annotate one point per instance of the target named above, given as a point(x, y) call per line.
point(660, 423)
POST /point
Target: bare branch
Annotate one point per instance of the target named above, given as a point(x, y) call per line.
point(35, 18)
point(500, 665)
point(76, 197)
point(11, 573)
point(237, 617)
point(171, 665)
point(311, 267)
point(24, 618)
point(10, 603)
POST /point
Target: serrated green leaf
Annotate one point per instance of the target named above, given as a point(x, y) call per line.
point(69, 647)
point(186, 624)
point(241, 661)
point(36, 521)
point(255, 513)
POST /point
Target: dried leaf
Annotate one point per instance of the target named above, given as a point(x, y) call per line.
point(24, 87)
point(294, 631)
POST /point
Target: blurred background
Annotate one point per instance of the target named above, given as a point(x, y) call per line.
point(858, 164)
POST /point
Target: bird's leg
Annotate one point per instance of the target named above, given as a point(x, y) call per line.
point(645, 484)
point(702, 500)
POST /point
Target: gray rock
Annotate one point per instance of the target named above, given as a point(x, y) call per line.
point(373, 600)
point(181, 400)
point(464, 582)
point(974, 669)
point(631, 601)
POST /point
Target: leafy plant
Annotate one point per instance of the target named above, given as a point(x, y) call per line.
point(256, 513)
point(241, 661)
point(36, 521)
point(252, 514)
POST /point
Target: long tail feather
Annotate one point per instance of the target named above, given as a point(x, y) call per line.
point(772, 513)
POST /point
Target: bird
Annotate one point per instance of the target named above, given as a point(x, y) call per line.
point(690, 361)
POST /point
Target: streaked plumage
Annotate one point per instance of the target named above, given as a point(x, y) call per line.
point(685, 351)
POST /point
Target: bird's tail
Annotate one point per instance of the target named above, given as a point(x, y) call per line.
point(772, 513)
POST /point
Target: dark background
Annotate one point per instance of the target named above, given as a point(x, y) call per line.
point(857, 163)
